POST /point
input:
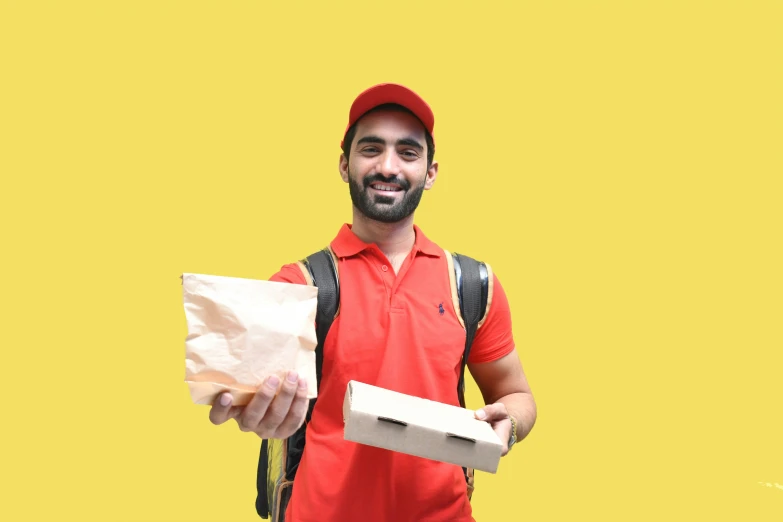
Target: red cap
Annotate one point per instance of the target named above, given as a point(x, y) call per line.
point(391, 93)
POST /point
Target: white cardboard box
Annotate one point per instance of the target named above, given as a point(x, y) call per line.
point(415, 426)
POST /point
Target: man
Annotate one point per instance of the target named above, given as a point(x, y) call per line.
point(395, 329)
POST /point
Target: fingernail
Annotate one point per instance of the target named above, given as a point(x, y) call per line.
point(292, 376)
point(273, 381)
point(481, 414)
point(302, 383)
point(225, 400)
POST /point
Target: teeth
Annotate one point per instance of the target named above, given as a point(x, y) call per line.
point(386, 189)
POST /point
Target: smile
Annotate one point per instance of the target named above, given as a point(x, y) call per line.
point(385, 187)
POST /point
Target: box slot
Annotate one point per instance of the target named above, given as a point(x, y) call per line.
point(460, 437)
point(392, 421)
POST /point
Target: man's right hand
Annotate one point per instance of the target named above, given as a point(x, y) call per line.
point(267, 415)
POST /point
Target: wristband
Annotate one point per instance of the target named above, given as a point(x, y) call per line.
point(513, 437)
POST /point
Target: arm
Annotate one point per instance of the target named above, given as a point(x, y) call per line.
point(506, 392)
point(497, 370)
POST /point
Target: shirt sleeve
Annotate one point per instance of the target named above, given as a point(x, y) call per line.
point(494, 339)
point(289, 273)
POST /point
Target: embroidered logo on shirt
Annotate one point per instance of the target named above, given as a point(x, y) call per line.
point(441, 311)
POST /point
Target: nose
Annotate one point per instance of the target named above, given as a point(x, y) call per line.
point(389, 163)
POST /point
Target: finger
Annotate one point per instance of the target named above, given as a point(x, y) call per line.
point(492, 412)
point(278, 410)
point(221, 408)
point(258, 405)
point(296, 413)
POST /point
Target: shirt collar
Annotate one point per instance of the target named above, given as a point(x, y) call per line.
point(348, 244)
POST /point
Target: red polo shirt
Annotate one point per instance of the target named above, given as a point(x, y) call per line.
point(400, 332)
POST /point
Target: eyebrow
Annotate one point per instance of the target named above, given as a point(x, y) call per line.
point(410, 142)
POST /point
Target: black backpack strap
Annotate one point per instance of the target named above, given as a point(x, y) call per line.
point(471, 283)
point(320, 270)
point(262, 498)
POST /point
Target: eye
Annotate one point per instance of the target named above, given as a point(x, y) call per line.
point(410, 154)
point(370, 150)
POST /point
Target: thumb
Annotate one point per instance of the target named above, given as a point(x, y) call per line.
point(223, 409)
point(492, 412)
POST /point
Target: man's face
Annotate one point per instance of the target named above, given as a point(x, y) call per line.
point(387, 172)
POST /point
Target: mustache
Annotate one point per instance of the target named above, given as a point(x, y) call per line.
point(379, 178)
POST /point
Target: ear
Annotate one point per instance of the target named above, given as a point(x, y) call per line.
point(343, 167)
point(432, 173)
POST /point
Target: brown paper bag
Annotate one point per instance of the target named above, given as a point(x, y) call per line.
point(240, 331)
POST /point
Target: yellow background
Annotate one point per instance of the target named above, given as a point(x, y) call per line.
point(618, 163)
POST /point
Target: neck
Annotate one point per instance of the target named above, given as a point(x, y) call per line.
point(394, 239)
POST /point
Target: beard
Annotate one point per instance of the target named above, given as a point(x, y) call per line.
point(384, 208)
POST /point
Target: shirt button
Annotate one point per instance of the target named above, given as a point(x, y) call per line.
point(384, 268)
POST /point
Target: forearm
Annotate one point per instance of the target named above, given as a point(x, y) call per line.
point(522, 407)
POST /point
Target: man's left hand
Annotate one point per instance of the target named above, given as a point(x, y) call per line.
point(497, 416)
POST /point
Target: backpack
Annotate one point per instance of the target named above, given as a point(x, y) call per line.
point(471, 288)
